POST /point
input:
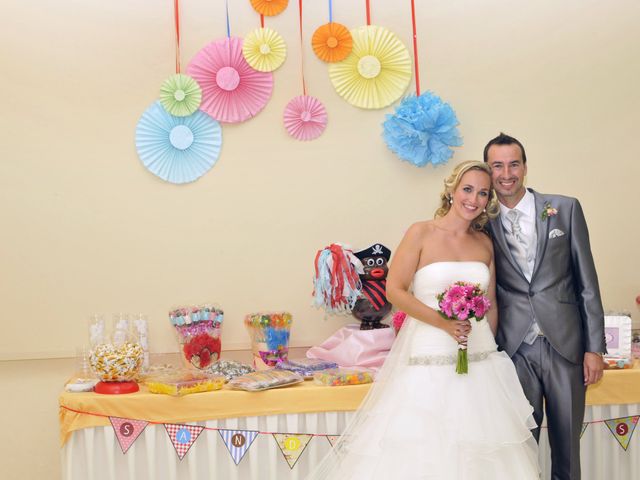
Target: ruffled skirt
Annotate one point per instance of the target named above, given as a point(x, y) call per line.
point(430, 423)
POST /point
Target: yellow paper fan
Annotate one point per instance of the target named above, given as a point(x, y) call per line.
point(264, 49)
point(376, 73)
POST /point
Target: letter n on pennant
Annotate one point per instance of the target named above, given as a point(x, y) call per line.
point(238, 442)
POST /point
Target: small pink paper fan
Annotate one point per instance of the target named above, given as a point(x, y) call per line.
point(232, 91)
point(305, 118)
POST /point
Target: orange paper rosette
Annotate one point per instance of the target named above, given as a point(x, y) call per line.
point(332, 42)
point(269, 8)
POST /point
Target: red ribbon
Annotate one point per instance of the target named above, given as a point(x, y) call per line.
point(262, 20)
point(368, 13)
point(304, 85)
point(415, 46)
point(176, 16)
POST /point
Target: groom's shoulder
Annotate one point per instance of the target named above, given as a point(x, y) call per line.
point(554, 197)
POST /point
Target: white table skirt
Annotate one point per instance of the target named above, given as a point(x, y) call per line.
point(94, 453)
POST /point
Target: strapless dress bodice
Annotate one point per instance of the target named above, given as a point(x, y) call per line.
point(432, 344)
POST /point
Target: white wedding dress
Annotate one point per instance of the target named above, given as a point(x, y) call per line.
point(422, 420)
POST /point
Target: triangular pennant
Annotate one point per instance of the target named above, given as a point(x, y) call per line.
point(333, 439)
point(238, 442)
point(584, 427)
point(623, 428)
point(292, 445)
point(127, 430)
point(182, 436)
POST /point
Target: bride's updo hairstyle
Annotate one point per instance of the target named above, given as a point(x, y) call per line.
point(451, 183)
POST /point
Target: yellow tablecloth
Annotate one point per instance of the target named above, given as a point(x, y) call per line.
point(617, 387)
point(226, 403)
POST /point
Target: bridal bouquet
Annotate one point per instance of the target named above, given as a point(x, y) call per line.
point(463, 301)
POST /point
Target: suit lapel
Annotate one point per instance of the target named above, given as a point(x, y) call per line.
point(542, 230)
point(501, 240)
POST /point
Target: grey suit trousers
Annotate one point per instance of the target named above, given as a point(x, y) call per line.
point(543, 372)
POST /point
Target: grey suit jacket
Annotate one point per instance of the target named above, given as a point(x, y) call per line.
point(563, 295)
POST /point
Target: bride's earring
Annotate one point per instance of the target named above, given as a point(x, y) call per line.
point(484, 210)
point(450, 200)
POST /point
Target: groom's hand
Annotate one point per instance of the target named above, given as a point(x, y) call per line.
point(593, 367)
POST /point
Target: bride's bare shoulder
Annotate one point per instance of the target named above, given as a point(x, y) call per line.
point(418, 231)
point(421, 228)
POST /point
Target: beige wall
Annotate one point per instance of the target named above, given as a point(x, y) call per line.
point(87, 229)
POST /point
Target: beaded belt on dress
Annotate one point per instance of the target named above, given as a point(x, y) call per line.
point(446, 359)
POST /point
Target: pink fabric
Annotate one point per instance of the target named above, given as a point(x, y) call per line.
point(352, 347)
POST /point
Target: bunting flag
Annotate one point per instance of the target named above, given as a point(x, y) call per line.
point(622, 429)
point(182, 436)
point(584, 427)
point(127, 430)
point(292, 445)
point(333, 439)
point(238, 442)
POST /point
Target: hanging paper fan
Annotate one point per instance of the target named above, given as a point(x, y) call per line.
point(180, 95)
point(177, 149)
point(269, 8)
point(422, 130)
point(332, 42)
point(232, 91)
point(305, 117)
point(377, 71)
point(264, 49)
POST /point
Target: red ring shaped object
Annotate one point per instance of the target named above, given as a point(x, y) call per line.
point(116, 388)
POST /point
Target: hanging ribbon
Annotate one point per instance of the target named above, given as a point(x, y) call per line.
point(368, 13)
point(226, 4)
point(261, 20)
point(330, 11)
point(176, 17)
point(304, 85)
point(415, 47)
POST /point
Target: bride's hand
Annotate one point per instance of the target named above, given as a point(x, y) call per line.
point(458, 329)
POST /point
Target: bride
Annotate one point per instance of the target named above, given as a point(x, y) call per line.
point(422, 420)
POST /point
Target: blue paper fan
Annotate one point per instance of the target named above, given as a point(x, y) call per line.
point(177, 149)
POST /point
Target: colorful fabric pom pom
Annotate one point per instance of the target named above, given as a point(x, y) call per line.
point(336, 284)
point(422, 130)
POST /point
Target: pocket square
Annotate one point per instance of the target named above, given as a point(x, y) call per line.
point(555, 233)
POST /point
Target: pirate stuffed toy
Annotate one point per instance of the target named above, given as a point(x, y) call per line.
point(373, 306)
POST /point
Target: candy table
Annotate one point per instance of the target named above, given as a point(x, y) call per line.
point(89, 449)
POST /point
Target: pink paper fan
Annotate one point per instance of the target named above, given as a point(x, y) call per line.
point(232, 91)
point(305, 118)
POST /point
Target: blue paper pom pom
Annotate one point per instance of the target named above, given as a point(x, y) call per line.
point(422, 130)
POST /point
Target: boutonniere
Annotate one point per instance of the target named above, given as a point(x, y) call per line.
point(548, 211)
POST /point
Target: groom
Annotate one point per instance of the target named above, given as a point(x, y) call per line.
point(551, 321)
